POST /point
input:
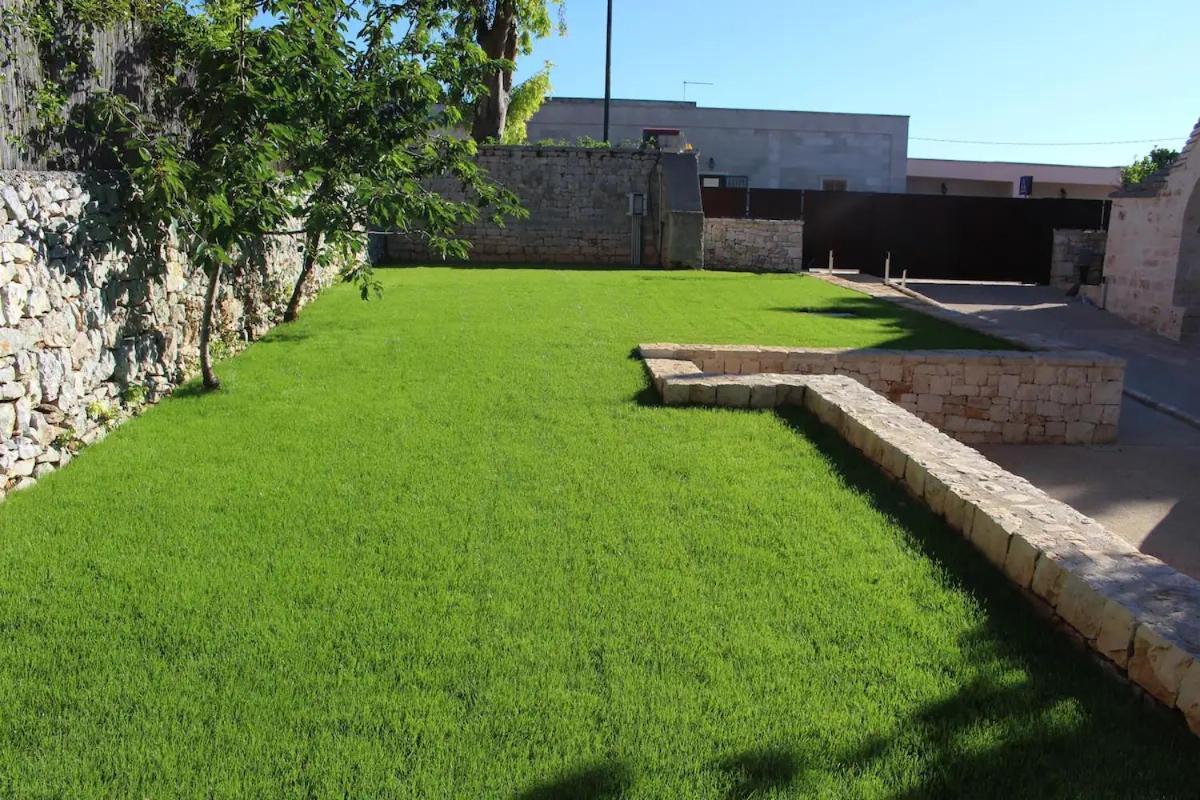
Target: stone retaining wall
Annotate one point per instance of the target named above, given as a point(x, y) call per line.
point(89, 326)
point(1140, 616)
point(753, 245)
point(578, 203)
point(977, 396)
point(1074, 249)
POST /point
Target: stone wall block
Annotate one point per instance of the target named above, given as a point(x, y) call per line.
point(1158, 665)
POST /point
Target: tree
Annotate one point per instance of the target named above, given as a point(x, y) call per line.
point(369, 146)
point(504, 29)
point(329, 114)
point(1144, 167)
point(524, 102)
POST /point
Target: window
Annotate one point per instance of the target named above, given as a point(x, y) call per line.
point(711, 181)
point(833, 184)
point(663, 138)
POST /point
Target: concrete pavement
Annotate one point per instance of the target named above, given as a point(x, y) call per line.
point(1145, 488)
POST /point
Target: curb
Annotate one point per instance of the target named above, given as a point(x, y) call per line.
point(1165, 408)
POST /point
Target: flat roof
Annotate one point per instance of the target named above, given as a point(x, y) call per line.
point(691, 104)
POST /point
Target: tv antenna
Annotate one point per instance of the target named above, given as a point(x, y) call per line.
point(694, 83)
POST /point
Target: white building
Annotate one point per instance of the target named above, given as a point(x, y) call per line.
point(740, 147)
point(1003, 179)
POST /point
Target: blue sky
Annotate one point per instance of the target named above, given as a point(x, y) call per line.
point(1017, 71)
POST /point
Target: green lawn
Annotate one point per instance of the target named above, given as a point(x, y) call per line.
point(446, 545)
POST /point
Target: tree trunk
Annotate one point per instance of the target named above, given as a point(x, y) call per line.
point(210, 303)
point(498, 41)
point(312, 244)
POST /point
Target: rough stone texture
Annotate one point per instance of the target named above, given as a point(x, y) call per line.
point(1152, 256)
point(753, 245)
point(1130, 608)
point(86, 315)
point(976, 396)
point(1077, 253)
point(578, 203)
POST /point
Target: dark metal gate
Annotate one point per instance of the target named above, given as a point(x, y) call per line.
point(930, 236)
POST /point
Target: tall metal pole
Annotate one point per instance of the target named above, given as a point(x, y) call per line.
point(607, 69)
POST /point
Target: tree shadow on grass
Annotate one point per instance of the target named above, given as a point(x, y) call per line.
point(915, 330)
point(757, 772)
point(593, 782)
point(1036, 717)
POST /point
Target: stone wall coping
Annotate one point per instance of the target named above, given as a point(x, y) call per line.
point(1138, 613)
point(558, 149)
point(1088, 358)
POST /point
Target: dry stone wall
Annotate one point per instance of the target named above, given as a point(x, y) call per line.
point(976, 396)
point(90, 325)
point(753, 245)
point(1076, 252)
point(578, 203)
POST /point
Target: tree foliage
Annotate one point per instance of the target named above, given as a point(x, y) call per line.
point(1147, 165)
point(326, 114)
point(526, 99)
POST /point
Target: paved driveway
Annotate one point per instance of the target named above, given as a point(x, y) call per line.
point(1146, 488)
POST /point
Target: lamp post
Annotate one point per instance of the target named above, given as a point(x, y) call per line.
point(607, 69)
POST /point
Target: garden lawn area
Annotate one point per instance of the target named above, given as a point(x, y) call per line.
point(446, 544)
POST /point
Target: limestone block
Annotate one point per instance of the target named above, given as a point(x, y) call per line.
point(763, 396)
point(1188, 699)
point(1048, 576)
point(1080, 605)
point(8, 419)
point(1021, 560)
point(991, 529)
point(914, 477)
point(1158, 665)
point(1107, 393)
point(675, 393)
point(1116, 633)
point(12, 341)
point(734, 395)
point(703, 393)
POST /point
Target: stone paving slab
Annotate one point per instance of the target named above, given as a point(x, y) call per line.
point(1136, 612)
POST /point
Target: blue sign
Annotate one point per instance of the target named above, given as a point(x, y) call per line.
point(1026, 187)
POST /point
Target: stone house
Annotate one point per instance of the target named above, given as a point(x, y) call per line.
point(1152, 256)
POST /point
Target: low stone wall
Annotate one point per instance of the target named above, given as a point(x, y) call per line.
point(1137, 614)
point(977, 396)
point(578, 203)
point(753, 245)
point(1072, 250)
point(90, 328)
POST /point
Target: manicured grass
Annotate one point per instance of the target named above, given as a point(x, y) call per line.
point(446, 545)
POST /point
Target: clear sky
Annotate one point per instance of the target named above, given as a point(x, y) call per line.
point(1014, 71)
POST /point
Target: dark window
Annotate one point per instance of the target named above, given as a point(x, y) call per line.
point(833, 184)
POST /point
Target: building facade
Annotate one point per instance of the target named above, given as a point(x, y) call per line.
point(1003, 179)
point(746, 147)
